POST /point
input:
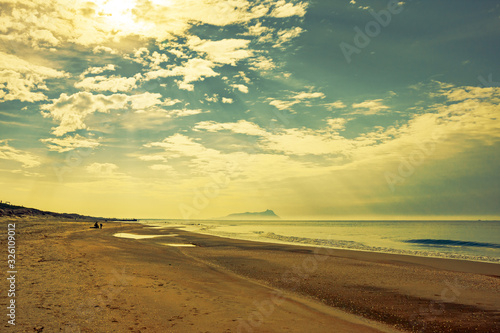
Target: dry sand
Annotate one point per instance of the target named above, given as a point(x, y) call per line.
point(75, 279)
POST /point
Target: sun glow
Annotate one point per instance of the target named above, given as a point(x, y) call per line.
point(119, 16)
point(118, 13)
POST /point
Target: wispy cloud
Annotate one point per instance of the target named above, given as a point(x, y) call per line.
point(369, 107)
point(70, 142)
point(296, 99)
point(27, 159)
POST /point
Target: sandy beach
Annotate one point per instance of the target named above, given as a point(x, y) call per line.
point(71, 278)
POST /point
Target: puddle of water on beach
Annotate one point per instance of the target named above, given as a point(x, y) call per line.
point(134, 236)
point(179, 245)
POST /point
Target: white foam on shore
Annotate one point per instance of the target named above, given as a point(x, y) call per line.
point(135, 236)
point(350, 245)
point(178, 245)
point(261, 236)
point(371, 236)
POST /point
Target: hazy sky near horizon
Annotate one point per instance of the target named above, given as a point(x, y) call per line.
point(323, 109)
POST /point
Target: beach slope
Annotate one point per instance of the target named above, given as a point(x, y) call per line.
point(75, 279)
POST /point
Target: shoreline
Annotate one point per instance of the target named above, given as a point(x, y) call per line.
point(492, 260)
point(454, 264)
point(74, 278)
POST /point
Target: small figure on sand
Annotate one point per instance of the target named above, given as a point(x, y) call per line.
point(95, 226)
point(100, 226)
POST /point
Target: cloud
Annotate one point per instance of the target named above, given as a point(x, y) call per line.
point(57, 22)
point(71, 111)
point(154, 117)
point(156, 59)
point(180, 145)
point(152, 61)
point(243, 76)
point(190, 156)
point(283, 105)
point(103, 49)
point(264, 34)
point(70, 142)
point(191, 71)
point(176, 16)
point(226, 100)
point(305, 152)
point(103, 83)
point(308, 142)
point(102, 169)
point(284, 9)
point(353, 2)
point(296, 99)
point(150, 158)
point(336, 124)
point(213, 99)
point(241, 87)
point(335, 105)
point(240, 127)
point(43, 37)
point(100, 23)
point(305, 95)
point(470, 115)
point(161, 167)
point(286, 35)
point(147, 100)
point(98, 70)
point(183, 112)
point(262, 64)
point(463, 93)
point(28, 160)
point(194, 158)
point(467, 119)
point(21, 80)
point(369, 107)
point(290, 141)
point(225, 51)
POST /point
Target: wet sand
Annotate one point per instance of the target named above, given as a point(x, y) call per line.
point(75, 279)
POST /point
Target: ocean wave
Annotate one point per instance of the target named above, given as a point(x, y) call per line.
point(351, 245)
point(449, 242)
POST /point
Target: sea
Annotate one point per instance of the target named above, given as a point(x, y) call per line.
point(465, 240)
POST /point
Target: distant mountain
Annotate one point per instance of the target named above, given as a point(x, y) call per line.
point(266, 215)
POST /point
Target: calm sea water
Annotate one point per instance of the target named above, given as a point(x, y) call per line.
point(469, 240)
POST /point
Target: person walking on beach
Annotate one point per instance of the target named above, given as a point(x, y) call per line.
point(101, 226)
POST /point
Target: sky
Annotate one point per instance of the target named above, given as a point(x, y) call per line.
point(193, 109)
